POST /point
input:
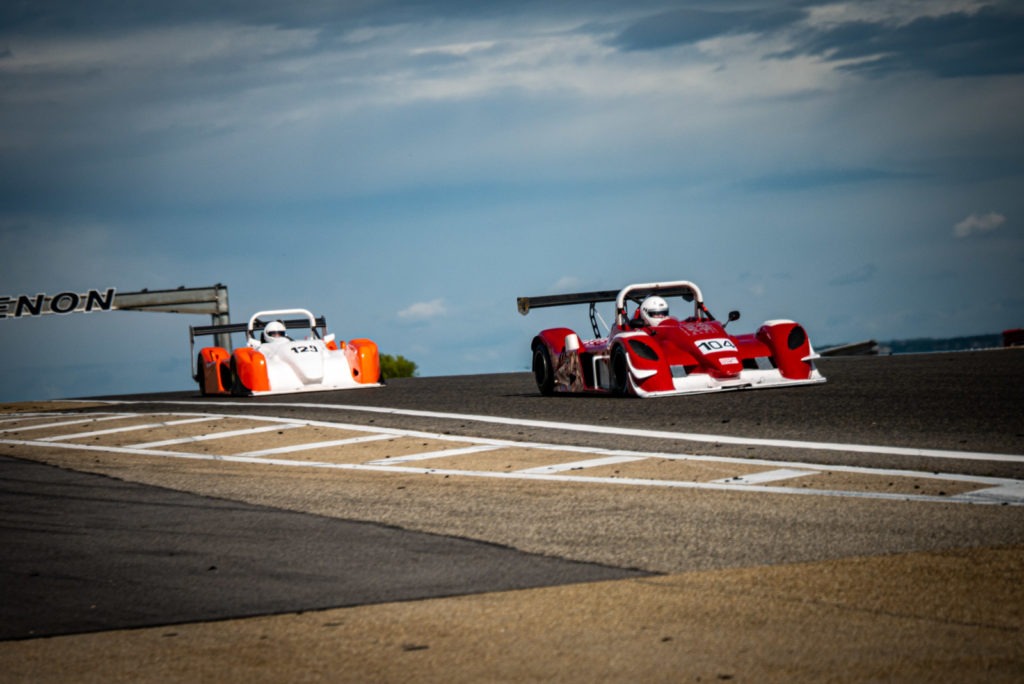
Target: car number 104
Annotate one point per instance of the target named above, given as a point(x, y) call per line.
point(716, 345)
point(305, 348)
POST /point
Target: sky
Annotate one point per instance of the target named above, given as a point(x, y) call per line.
point(408, 168)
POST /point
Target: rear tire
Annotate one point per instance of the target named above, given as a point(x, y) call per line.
point(226, 376)
point(200, 376)
point(542, 371)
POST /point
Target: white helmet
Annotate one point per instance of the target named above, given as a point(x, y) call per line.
point(654, 310)
point(273, 331)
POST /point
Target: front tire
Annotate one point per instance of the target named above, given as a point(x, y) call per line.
point(542, 371)
point(620, 372)
point(237, 388)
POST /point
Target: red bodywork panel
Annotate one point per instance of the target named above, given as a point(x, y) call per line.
point(251, 368)
point(364, 360)
point(214, 372)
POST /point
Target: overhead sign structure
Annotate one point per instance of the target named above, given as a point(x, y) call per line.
point(187, 300)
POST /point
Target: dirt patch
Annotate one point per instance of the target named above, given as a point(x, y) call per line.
point(951, 616)
point(673, 469)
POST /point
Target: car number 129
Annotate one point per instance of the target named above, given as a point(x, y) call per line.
point(305, 348)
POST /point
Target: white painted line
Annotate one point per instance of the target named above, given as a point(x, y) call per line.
point(548, 477)
point(197, 419)
point(74, 446)
point(886, 472)
point(427, 455)
point(219, 435)
point(316, 445)
point(1010, 494)
point(127, 428)
point(1001, 490)
point(112, 416)
point(18, 417)
point(580, 465)
point(634, 432)
point(354, 427)
point(767, 476)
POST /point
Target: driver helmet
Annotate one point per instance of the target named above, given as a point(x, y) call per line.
point(273, 331)
point(654, 310)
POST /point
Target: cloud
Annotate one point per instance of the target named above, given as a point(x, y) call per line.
point(688, 26)
point(954, 44)
point(423, 310)
point(859, 275)
point(978, 223)
point(566, 284)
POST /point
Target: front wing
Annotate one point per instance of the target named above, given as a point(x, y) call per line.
point(699, 383)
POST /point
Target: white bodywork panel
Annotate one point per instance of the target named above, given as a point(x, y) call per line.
point(306, 365)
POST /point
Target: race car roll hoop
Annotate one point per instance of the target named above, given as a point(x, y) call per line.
point(636, 293)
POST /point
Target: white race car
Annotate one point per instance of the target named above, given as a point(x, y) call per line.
point(271, 362)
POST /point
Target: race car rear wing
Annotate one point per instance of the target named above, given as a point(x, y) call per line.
point(635, 293)
point(195, 331)
point(524, 304)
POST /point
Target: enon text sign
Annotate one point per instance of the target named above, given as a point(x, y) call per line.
point(22, 306)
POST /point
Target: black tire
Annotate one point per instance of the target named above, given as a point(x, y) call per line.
point(542, 371)
point(237, 388)
point(226, 377)
point(620, 372)
point(199, 377)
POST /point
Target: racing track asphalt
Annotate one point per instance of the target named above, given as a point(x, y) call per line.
point(136, 543)
point(87, 553)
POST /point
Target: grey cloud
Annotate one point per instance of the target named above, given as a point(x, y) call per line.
point(70, 16)
point(687, 26)
point(957, 44)
point(978, 223)
point(76, 17)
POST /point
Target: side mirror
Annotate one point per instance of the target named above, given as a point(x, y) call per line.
point(733, 316)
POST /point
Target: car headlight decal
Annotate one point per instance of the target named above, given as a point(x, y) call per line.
point(796, 338)
point(642, 350)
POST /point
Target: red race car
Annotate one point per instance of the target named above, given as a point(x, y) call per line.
point(649, 353)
